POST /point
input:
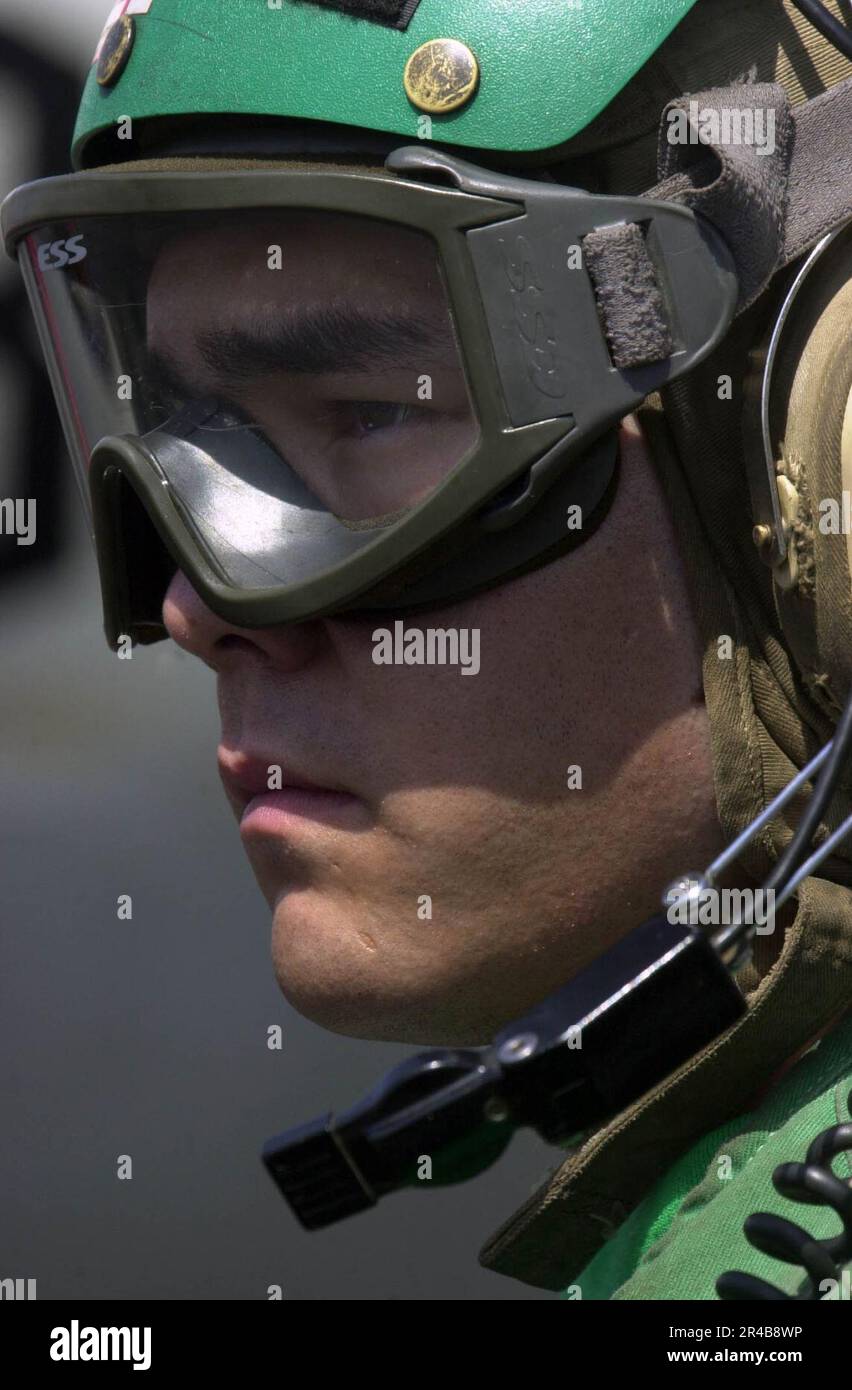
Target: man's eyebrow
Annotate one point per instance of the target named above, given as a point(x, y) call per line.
point(331, 339)
point(167, 377)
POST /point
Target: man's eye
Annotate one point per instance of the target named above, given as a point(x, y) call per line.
point(371, 416)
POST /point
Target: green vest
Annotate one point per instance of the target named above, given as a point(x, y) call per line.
point(689, 1228)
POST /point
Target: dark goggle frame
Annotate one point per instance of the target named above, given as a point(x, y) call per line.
point(534, 348)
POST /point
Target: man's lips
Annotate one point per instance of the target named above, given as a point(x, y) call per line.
point(247, 777)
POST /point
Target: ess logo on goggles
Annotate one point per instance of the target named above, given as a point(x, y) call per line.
point(55, 255)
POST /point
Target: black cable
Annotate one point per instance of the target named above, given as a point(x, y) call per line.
point(830, 28)
point(832, 768)
point(813, 1182)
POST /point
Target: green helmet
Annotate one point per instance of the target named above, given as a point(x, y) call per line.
point(492, 77)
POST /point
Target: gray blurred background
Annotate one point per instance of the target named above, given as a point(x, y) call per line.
point(148, 1037)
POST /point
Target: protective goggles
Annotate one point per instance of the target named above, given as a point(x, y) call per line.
point(317, 391)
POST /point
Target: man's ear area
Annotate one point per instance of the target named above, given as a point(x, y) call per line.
point(646, 526)
point(640, 511)
point(630, 428)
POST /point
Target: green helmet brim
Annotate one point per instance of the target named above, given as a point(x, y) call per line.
point(546, 69)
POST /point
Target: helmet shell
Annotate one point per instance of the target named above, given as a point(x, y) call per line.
point(547, 67)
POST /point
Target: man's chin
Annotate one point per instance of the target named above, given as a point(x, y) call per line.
point(328, 970)
point(337, 975)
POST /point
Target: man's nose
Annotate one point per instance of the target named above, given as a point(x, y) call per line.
point(221, 644)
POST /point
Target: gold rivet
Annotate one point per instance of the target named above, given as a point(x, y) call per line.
point(440, 76)
point(762, 536)
point(116, 51)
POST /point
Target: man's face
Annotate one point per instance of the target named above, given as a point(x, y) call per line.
point(467, 842)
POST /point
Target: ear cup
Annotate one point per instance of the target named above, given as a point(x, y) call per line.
point(809, 409)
